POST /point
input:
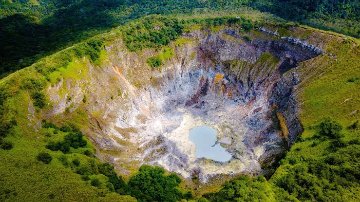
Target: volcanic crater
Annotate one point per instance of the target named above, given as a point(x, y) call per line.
point(241, 88)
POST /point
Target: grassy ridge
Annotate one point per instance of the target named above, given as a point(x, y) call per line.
point(30, 32)
point(32, 29)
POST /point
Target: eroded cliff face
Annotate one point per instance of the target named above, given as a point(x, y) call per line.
point(240, 88)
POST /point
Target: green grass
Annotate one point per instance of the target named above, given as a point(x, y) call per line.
point(74, 70)
point(326, 96)
point(158, 60)
point(182, 41)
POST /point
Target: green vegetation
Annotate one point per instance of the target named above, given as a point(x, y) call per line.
point(151, 184)
point(321, 177)
point(336, 15)
point(44, 157)
point(158, 60)
point(91, 49)
point(5, 145)
point(73, 139)
point(35, 87)
point(329, 129)
point(151, 32)
point(39, 99)
point(117, 183)
point(154, 61)
point(90, 169)
point(244, 23)
point(244, 189)
point(7, 120)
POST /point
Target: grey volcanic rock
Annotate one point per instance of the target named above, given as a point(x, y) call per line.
point(283, 98)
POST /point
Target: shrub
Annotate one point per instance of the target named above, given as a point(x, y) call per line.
point(5, 145)
point(66, 128)
point(202, 199)
point(188, 195)
point(118, 183)
point(84, 170)
point(93, 166)
point(46, 124)
point(353, 79)
point(51, 196)
point(76, 162)
point(58, 146)
point(154, 62)
point(33, 84)
point(106, 169)
point(330, 129)
point(336, 144)
point(39, 99)
point(110, 186)
point(94, 48)
point(63, 159)
point(44, 157)
point(95, 182)
point(6, 125)
point(85, 177)
point(247, 25)
point(52, 146)
point(75, 140)
point(247, 38)
point(354, 126)
point(354, 141)
point(88, 153)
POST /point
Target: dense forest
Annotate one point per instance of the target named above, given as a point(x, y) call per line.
point(50, 25)
point(340, 16)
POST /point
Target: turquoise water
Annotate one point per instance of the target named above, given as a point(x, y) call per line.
point(204, 139)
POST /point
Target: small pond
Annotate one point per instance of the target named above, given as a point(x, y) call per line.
point(204, 139)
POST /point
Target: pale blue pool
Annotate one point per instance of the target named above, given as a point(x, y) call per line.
point(204, 139)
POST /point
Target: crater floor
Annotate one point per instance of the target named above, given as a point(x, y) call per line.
point(164, 116)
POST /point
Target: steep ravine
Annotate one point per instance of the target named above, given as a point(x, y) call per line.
point(241, 88)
